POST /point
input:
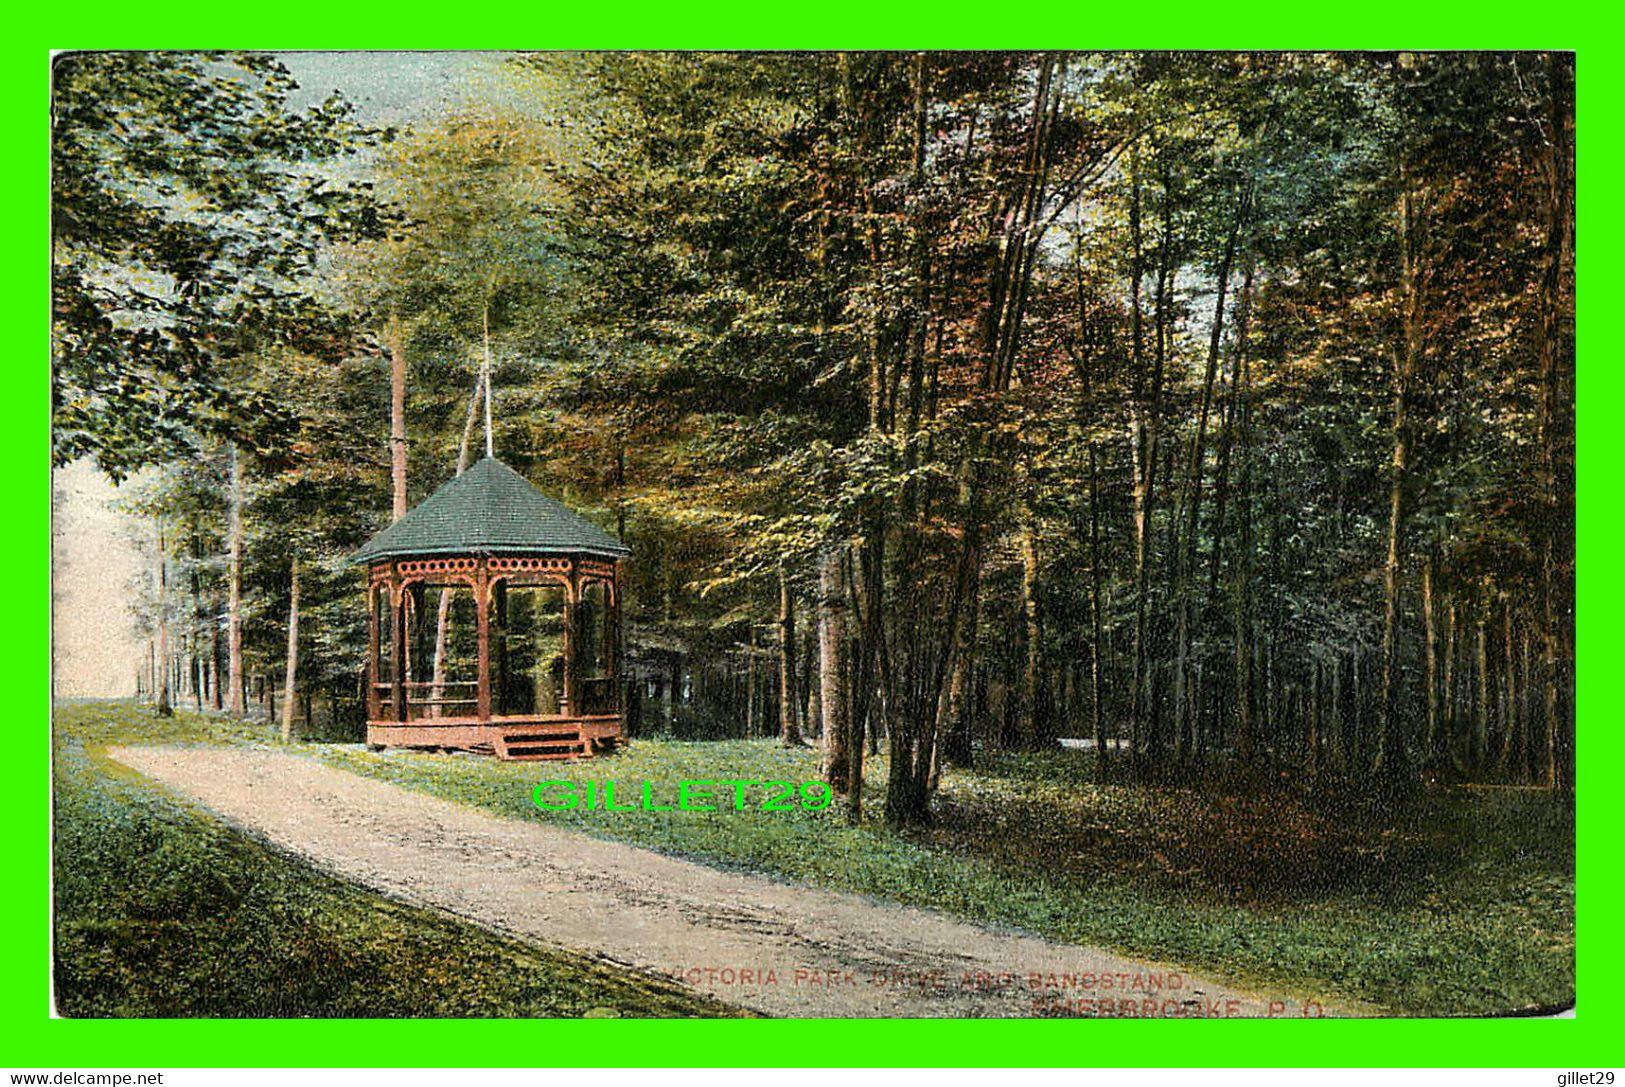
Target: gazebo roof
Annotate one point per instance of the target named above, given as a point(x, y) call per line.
point(490, 509)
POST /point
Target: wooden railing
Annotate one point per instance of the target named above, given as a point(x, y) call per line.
point(460, 698)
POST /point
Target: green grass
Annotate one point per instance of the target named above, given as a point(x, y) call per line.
point(1464, 904)
point(164, 911)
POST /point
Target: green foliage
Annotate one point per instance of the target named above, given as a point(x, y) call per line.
point(189, 205)
point(751, 309)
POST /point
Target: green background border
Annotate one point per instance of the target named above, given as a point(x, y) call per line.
point(31, 1039)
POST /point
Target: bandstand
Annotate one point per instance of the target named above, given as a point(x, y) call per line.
point(494, 624)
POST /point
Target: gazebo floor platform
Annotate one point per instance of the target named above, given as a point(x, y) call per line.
point(508, 738)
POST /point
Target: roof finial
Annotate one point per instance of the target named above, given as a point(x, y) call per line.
point(485, 375)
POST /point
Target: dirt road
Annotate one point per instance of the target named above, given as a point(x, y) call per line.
point(748, 940)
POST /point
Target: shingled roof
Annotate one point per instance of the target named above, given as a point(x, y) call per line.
point(490, 509)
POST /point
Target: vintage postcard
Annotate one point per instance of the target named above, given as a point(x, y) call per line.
point(825, 535)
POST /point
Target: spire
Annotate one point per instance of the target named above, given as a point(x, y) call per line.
point(485, 376)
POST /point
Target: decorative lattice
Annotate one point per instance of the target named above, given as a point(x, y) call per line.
point(525, 565)
point(437, 566)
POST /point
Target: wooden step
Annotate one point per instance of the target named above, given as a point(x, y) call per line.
point(542, 742)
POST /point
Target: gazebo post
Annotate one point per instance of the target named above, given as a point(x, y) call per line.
point(612, 624)
point(372, 649)
point(572, 603)
point(482, 619)
point(397, 641)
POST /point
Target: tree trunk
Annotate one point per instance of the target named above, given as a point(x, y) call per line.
point(834, 698)
point(443, 612)
point(789, 733)
point(217, 697)
point(161, 664)
point(1158, 650)
point(958, 744)
point(1185, 561)
point(750, 679)
point(861, 708)
point(1221, 490)
point(1430, 743)
point(1481, 715)
point(1448, 721)
point(1241, 604)
point(674, 692)
point(194, 680)
point(1528, 754)
point(1312, 745)
point(1389, 762)
point(1359, 742)
point(1552, 426)
point(1143, 446)
point(810, 708)
point(234, 594)
point(961, 709)
point(1334, 724)
point(1031, 708)
point(397, 417)
point(1509, 701)
point(291, 670)
point(1096, 722)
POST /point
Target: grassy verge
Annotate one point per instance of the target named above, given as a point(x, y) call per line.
point(163, 911)
point(1464, 905)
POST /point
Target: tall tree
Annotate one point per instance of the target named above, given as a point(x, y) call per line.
point(189, 203)
point(789, 731)
point(235, 702)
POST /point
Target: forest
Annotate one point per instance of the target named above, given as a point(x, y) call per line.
point(1211, 412)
